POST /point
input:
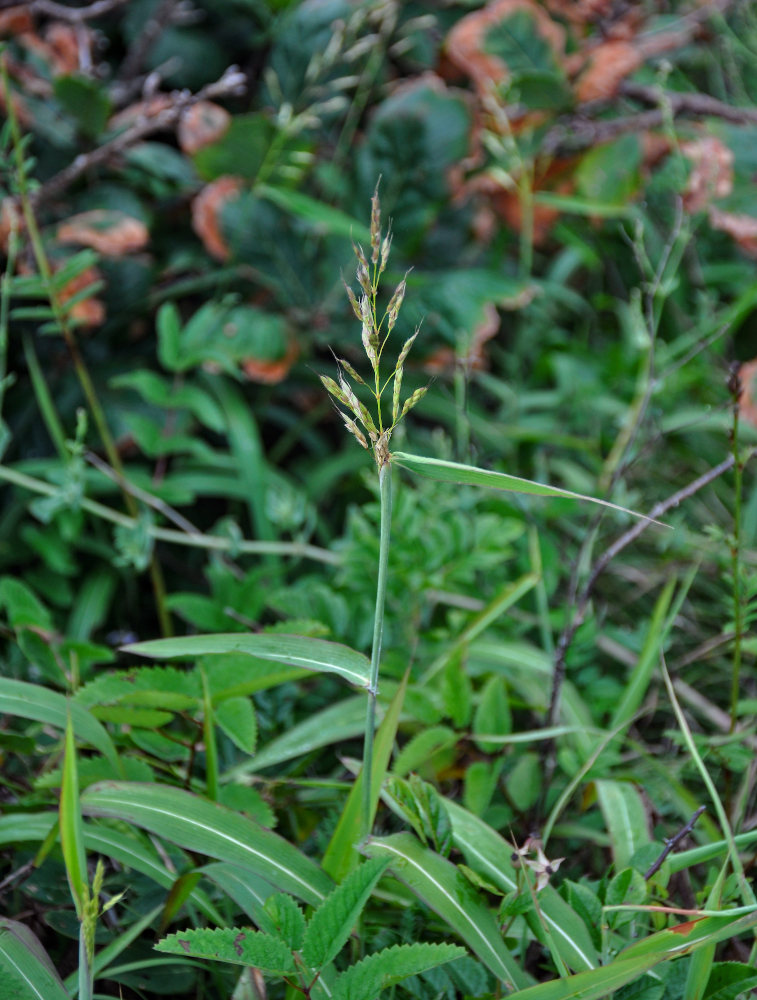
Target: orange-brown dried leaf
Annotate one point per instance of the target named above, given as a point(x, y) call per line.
point(271, 372)
point(748, 395)
point(741, 228)
point(60, 46)
point(608, 65)
point(206, 213)
point(466, 42)
point(90, 311)
point(201, 125)
point(10, 219)
point(110, 232)
point(15, 21)
point(711, 172)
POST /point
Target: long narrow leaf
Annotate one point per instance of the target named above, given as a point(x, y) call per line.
point(490, 855)
point(470, 475)
point(297, 650)
point(27, 971)
point(199, 825)
point(31, 701)
point(71, 827)
point(442, 887)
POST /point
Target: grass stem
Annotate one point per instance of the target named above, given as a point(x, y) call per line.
point(385, 493)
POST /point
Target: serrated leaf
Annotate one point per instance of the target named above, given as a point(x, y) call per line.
point(331, 924)
point(297, 650)
point(239, 946)
point(236, 718)
point(390, 966)
point(287, 920)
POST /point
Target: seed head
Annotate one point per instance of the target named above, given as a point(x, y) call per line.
point(375, 227)
point(416, 397)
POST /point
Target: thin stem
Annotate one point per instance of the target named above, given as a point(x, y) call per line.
point(385, 493)
point(738, 624)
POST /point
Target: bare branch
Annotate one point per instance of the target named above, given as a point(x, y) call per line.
point(75, 14)
point(232, 82)
point(671, 844)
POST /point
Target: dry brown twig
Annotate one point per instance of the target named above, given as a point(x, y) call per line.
point(232, 83)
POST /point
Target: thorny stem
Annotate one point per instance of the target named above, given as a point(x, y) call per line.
point(385, 494)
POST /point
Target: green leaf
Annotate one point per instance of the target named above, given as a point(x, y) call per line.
point(469, 475)
point(199, 825)
point(321, 217)
point(492, 717)
point(423, 808)
point(239, 151)
point(331, 924)
point(287, 920)
point(390, 966)
point(422, 747)
point(71, 828)
point(488, 853)
point(239, 946)
point(633, 962)
point(442, 887)
point(27, 971)
point(730, 979)
point(341, 855)
point(343, 721)
point(296, 650)
point(31, 701)
point(236, 718)
point(85, 99)
point(622, 806)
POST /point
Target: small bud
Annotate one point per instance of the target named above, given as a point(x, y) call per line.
point(353, 300)
point(375, 227)
point(350, 370)
point(353, 428)
point(385, 248)
point(416, 397)
point(330, 386)
point(396, 393)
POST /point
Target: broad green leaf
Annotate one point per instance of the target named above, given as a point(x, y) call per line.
point(296, 650)
point(728, 980)
point(32, 701)
point(469, 475)
point(422, 747)
point(490, 855)
point(623, 809)
point(341, 855)
point(249, 891)
point(199, 825)
point(390, 966)
point(27, 971)
point(331, 924)
point(236, 717)
point(492, 714)
point(71, 827)
point(239, 946)
point(442, 887)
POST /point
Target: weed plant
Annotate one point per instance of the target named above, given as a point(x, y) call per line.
point(541, 781)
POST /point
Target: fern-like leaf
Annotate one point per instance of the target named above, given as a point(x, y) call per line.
point(239, 946)
point(390, 966)
point(332, 922)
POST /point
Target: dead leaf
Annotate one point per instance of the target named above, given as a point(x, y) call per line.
point(608, 65)
point(201, 125)
point(466, 42)
point(748, 394)
point(206, 209)
point(10, 219)
point(89, 311)
point(711, 172)
point(60, 46)
point(742, 228)
point(15, 21)
point(111, 233)
point(271, 372)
